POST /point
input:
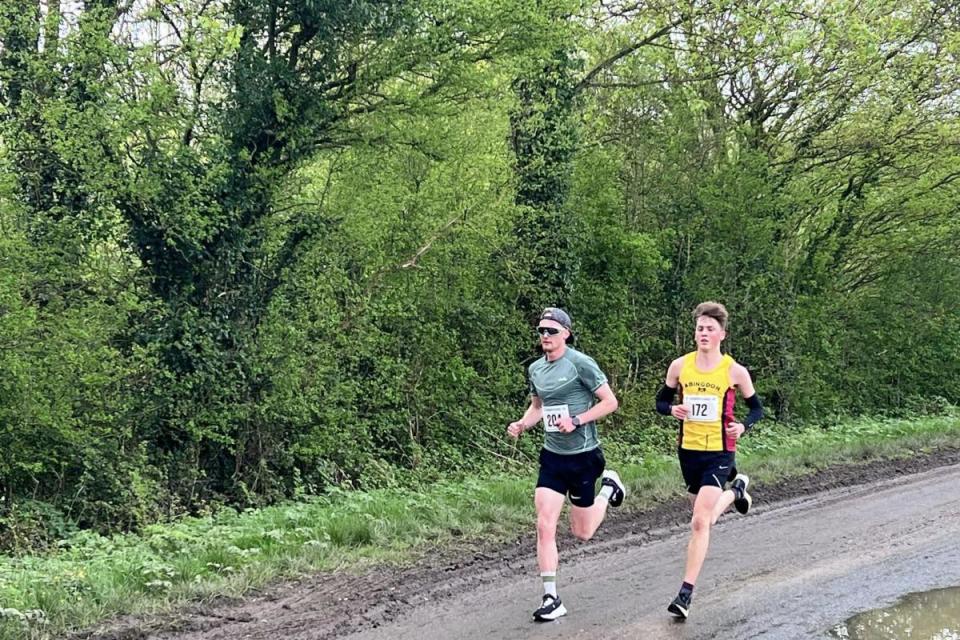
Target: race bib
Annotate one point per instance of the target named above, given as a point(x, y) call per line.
point(702, 408)
point(552, 415)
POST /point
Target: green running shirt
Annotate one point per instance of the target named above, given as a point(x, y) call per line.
point(566, 386)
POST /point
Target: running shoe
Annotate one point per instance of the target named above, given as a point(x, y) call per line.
point(612, 479)
point(741, 499)
point(550, 609)
point(680, 606)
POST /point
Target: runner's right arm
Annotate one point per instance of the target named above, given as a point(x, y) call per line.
point(531, 417)
point(667, 393)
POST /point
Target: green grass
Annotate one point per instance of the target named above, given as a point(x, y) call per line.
point(93, 578)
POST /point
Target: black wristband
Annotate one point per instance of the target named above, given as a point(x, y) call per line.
point(665, 399)
point(756, 411)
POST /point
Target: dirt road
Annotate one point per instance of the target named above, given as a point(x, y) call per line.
point(789, 571)
point(811, 553)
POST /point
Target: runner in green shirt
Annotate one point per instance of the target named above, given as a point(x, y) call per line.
point(569, 393)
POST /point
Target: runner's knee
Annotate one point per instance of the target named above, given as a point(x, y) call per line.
point(700, 522)
point(546, 528)
point(581, 531)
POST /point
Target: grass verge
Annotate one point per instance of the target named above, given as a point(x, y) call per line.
point(93, 578)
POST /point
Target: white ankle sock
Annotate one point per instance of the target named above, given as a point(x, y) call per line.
point(549, 583)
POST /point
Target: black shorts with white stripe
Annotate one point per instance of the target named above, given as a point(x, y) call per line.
point(706, 468)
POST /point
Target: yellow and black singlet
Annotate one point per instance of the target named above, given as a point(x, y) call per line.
point(709, 397)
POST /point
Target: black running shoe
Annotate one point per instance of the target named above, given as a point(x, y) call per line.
point(550, 609)
point(680, 606)
point(741, 499)
point(612, 479)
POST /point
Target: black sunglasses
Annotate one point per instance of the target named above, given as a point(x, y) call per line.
point(548, 331)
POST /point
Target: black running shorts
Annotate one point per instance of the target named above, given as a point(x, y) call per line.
point(573, 475)
point(706, 468)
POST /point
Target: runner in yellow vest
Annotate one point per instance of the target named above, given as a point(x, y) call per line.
point(706, 382)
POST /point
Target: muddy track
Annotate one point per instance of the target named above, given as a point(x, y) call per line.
point(333, 605)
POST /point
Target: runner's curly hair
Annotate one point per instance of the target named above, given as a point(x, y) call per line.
point(713, 310)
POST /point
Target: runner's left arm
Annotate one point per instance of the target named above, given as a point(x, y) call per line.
point(593, 378)
point(607, 405)
point(740, 377)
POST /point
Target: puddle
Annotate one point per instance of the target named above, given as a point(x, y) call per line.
point(930, 615)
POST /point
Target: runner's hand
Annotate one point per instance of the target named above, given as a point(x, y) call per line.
point(735, 430)
point(679, 411)
point(565, 425)
point(515, 429)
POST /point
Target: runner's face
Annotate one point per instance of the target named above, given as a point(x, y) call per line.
point(551, 342)
point(709, 334)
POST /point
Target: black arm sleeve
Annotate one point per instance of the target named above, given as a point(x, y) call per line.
point(665, 399)
point(756, 411)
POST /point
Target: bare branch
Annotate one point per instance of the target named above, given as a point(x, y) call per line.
point(412, 262)
point(626, 51)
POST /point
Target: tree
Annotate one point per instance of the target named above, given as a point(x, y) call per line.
point(183, 124)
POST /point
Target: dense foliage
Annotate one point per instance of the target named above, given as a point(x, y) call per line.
point(256, 249)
